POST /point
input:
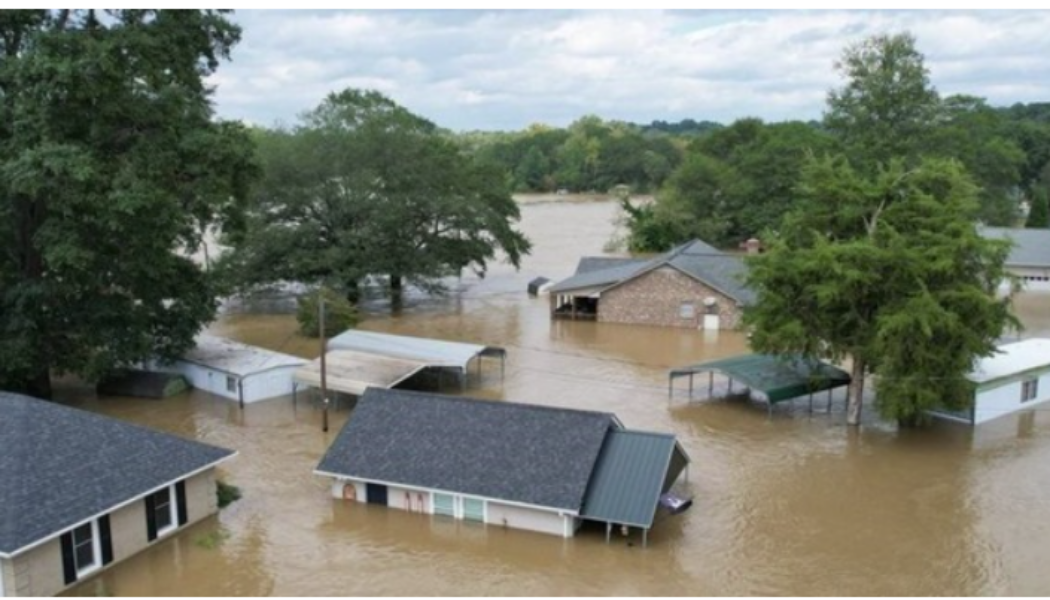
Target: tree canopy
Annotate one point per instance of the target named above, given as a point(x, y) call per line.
point(362, 187)
point(111, 166)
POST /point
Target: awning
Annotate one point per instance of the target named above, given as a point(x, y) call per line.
point(353, 372)
point(633, 470)
point(778, 378)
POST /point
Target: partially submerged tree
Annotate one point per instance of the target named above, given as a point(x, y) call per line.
point(888, 272)
point(110, 166)
point(363, 187)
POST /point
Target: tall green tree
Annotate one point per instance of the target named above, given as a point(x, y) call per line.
point(111, 166)
point(363, 187)
point(887, 107)
point(888, 272)
point(1039, 210)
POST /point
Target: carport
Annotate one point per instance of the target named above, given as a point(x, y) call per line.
point(774, 378)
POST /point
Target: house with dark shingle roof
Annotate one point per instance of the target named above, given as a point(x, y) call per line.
point(694, 285)
point(82, 491)
point(509, 464)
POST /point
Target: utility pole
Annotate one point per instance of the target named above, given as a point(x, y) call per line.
point(324, 369)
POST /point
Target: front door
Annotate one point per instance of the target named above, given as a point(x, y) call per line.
point(375, 493)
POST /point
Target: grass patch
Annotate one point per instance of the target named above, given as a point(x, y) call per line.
point(212, 539)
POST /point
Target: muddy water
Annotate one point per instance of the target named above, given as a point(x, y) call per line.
point(796, 504)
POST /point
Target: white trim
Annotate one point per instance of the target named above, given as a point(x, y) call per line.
point(114, 508)
point(417, 488)
point(173, 512)
point(96, 552)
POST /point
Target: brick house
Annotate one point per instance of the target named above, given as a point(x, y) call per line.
point(694, 285)
point(81, 491)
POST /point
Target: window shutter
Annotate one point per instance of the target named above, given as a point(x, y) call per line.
point(151, 518)
point(69, 570)
point(105, 540)
point(180, 502)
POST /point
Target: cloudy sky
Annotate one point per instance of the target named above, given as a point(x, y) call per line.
point(470, 70)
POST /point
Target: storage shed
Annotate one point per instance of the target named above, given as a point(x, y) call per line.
point(236, 371)
point(514, 465)
point(1016, 378)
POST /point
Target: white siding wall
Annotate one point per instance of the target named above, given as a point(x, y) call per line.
point(1005, 399)
point(496, 513)
point(519, 517)
point(269, 384)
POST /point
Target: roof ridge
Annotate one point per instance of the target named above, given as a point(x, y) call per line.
point(488, 401)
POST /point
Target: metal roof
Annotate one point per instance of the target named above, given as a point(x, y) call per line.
point(436, 353)
point(354, 372)
point(1031, 246)
point(1013, 359)
point(61, 466)
point(777, 378)
point(522, 453)
point(235, 358)
point(697, 259)
point(630, 476)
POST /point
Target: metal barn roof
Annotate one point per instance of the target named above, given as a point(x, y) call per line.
point(436, 353)
point(235, 358)
point(61, 466)
point(353, 372)
point(631, 474)
point(1013, 359)
point(777, 378)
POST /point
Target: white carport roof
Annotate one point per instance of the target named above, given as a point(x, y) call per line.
point(353, 372)
point(357, 360)
point(435, 353)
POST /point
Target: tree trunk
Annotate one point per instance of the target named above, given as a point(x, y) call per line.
point(39, 385)
point(353, 292)
point(856, 392)
point(396, 292)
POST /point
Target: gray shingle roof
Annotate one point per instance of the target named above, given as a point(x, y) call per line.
point(504, 450)
point(1031, 246)
point(629, 478)
point(698, 259)
point(60, 466)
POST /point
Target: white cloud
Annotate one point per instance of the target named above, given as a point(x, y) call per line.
point(508, 69)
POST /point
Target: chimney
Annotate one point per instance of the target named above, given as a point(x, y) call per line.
point(752, 246)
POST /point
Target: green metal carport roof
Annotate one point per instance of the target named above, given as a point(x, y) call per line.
point(779, 378)
point(633, 469)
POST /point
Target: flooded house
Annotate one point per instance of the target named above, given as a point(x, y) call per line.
point(1014, 379)
point(234, 370)
point(91, 491)
point(1029, 259)
point(693, 286)
point(506, 464)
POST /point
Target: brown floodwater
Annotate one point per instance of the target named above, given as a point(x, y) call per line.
point(794, 504)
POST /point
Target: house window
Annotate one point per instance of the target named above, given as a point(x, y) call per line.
point(85, 548)
point(474, 509)
point(687, 310)
point(231, 384)
point(164, 510)
point(444, 504)
point(1029, 390)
